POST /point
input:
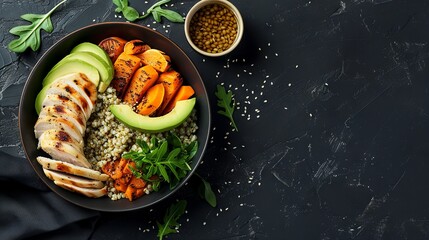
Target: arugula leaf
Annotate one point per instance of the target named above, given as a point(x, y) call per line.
point(129, 13)
point(29, 35)
point(165, 160)
point(172, 215)
point(155, 10)
point(205, 191)
point(226, 102)
point(172, 16)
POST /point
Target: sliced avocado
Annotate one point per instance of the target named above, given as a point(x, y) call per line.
point(95, 49)
point(72, 66)
point(106, 73)
point(39, 99)
point(125, 114)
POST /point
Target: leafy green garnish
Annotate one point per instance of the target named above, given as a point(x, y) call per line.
point(163, 160)
point(129, 13)
point(226, 102)
point(158, 12)
point(29, 35)
point(205, 191)
point(170, 225)
point(155, 10)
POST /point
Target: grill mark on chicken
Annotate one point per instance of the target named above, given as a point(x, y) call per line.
point(64, 137)
point(59, 109)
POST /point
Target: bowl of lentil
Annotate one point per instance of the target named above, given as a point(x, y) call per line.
point(214, 27)
point(196, 127)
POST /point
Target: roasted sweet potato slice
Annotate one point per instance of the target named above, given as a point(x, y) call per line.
point(184, 92)
point(113, 46)
point(142, 80)
point(125, 67)
point(151, 100)
point(172, 81)
point(135, 47)
point(156, 58)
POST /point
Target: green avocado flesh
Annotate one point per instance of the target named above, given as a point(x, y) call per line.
point(105, 71)
point(87, 47)
point(91, 47)
point(72, 66)
point(182, 110)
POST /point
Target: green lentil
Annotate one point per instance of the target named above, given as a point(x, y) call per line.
point(213, 28)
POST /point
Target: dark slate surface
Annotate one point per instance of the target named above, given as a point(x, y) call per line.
point(333, 127)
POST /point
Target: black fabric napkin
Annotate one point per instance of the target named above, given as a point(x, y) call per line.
point(30, 210)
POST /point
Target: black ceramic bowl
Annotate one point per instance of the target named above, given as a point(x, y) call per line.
point(95, 33)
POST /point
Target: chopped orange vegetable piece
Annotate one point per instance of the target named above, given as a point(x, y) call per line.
point(156, 58)
point(184, 92)
point(151, 100)
point(143, 79)
point(124, 67)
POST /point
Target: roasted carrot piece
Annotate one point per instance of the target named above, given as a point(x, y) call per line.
point(113, 46)
point(124, 66)
point(120, 185)
point(151, 100)
point(132, 193)
point(183, 93)
point(142, 80)
point(135, 47)
point(157, 59)
point(172, 81)
point(127, 169)
point(137, 182)
point(119, 166)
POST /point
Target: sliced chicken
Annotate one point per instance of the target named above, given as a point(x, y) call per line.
point(72, 179)
point(61, 136)
point(66, 94)
point(51, 122)
point(83, 85)
point(89, 192)
point(65, 112)
point(62, 150)
point(79, 87)
point(65, 167)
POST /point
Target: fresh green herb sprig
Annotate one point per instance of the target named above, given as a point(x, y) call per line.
point(29, 35)
point(162, 160)
point(131, 14)
point(226, 102)
point(205, 191)
point(170, 221)
point(158, 12)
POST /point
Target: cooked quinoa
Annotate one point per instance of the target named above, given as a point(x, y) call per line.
point(106, 139)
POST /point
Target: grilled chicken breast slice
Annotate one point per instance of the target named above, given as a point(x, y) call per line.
point(65, 94)
point(63, 111)
point(65, 167)
point(73, 179)
point(89, 192)
point(83, 85)
point(62, 150)
point(51, 122)
point(61, 136)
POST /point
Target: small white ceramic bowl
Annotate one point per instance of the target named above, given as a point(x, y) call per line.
point(225, 3)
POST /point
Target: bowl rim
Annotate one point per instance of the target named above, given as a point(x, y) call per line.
point(57, 189)
point(202, 3)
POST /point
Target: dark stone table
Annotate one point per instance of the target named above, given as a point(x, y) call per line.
point(333, 117)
